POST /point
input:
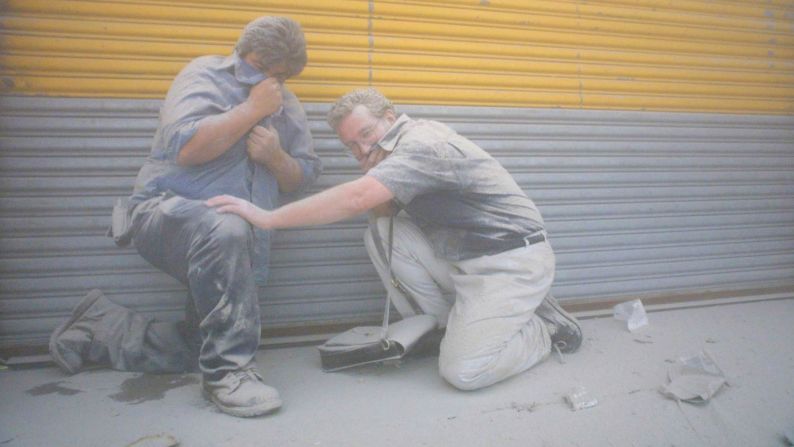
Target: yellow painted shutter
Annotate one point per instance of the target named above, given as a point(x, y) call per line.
point(717, 56)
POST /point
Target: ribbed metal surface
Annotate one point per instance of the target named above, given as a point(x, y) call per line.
point(636, 203)
point(64, 161)
point(690, 55)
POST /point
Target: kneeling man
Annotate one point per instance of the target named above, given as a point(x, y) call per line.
point(469, 246)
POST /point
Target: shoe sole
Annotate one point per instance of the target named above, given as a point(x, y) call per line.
point(556, 306)
point(77, 313)
point(247, 412)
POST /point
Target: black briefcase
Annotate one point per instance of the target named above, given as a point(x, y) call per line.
point(372, 344)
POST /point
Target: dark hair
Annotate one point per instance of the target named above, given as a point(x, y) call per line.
point(274, 41)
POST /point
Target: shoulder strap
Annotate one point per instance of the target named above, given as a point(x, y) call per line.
point(387, 260)
point(373, 225)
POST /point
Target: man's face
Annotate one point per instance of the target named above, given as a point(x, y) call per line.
point(278, 71)
point(360, 132)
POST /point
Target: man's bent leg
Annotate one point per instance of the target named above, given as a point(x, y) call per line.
point(211, 254)
point(421, 273)
point(493, 332)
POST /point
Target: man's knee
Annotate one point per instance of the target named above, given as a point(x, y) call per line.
point(229, 232)
point(463, 374)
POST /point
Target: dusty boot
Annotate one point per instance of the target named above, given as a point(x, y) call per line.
point(70, 341)
point(242, 393)
point(564, 329)
point(95, 333)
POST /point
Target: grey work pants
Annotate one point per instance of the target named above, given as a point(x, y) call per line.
point(211, 254)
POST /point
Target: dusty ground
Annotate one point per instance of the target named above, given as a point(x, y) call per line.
point(410, 405)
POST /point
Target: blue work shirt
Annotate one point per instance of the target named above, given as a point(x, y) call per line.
point(209, 86)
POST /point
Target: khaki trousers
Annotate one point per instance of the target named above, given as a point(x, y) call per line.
point(487, 304)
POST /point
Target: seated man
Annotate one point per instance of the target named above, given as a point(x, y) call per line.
point(227, 126)
point(470, 246)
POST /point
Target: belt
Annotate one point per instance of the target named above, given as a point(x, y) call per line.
point(525, 241)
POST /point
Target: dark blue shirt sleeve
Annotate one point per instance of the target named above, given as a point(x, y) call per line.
point(296, 139)
point(193, 96)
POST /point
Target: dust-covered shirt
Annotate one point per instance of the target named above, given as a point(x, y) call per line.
point(209, 86)
point(466, 203)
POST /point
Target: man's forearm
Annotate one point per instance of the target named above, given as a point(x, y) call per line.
point(287, 170)
point(387, 209)
point(216, 134)
point(332, 205)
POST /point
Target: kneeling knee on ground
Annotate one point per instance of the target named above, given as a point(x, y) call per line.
point(466, 374)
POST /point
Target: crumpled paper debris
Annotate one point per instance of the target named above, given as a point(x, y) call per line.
point(633, 313)
point(694, 379)
point(579, 399)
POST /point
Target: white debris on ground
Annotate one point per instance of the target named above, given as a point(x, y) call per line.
point(633, 313)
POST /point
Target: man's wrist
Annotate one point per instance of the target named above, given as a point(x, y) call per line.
point(278, 160)
point(260, 219)
point(248, 109)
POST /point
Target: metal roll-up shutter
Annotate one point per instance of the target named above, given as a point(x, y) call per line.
point(636, 204)
point(64, 163)
point(605, 112)
point(691, 55)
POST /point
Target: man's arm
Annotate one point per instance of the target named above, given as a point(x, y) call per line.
point(374, 157)
point(387, 209)
point(216, 134)
point(332, 205)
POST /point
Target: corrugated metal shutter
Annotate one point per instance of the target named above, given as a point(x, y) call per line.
point(636, 203)
point(64, 162)
point(688, 55)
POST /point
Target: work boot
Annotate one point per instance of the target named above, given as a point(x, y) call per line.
point(242, 393)
point(101, 332)
point(564, 329)
point(70, 342)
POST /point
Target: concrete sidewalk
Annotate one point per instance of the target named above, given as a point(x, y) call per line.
point(409, 405)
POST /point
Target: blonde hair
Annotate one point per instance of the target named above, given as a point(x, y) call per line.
point(371, 98)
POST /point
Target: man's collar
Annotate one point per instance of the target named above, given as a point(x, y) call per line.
point(392, 136)
point(229, 61)
point(243, 71)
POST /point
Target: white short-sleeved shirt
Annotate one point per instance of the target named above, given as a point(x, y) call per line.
point(463, 199)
